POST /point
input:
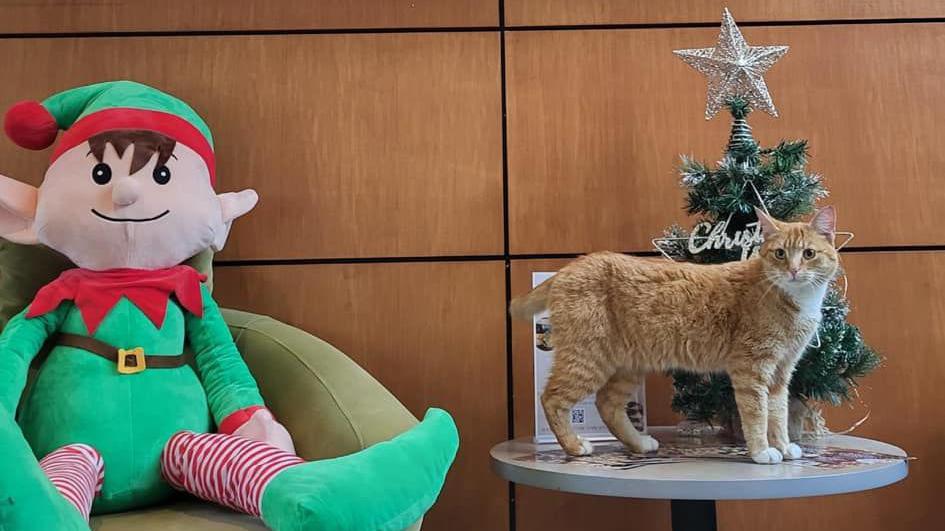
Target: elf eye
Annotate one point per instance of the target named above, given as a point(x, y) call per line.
point(779, 254)
point(102, 173)
point(162, 175)
point(809, 254)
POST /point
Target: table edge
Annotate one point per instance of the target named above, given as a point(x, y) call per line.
point(761, 489)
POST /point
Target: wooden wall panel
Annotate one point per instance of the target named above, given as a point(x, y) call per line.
point(546, 510)
point(66, 16)
point(569, 12)
point(359, 145)
point(432, 333)
point(598, 118)
point(538, 509)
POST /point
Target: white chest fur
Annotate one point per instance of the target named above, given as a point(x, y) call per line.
point(808, 298)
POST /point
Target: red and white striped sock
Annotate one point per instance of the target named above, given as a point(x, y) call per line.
point(77, 471)
point(225, 469)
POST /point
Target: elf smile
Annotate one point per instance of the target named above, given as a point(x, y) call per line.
point(130, 220)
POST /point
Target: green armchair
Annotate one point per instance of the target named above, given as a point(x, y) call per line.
point(329, 404)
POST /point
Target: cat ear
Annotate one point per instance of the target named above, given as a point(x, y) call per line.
point(769, 227)
point(825, 222)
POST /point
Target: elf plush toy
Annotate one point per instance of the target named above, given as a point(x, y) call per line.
point(117, 415)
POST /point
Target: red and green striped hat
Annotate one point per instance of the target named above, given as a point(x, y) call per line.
point(84, 112)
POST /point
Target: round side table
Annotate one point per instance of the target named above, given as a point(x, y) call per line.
point(693, 484)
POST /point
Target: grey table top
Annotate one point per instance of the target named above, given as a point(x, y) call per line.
point(610, 471)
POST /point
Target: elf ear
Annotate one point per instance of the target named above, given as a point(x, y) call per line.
point(825, 222)
point(769, 227)
point(232, 206)
point(17, 211)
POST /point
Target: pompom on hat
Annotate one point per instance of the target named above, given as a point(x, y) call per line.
point(84, 112)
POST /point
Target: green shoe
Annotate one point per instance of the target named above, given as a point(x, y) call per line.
point(386, 487)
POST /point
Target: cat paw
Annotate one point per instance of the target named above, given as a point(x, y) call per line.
point(792, 451)
point(586, 447)
point(582, 447)
point(768, 456)
point(645, 444)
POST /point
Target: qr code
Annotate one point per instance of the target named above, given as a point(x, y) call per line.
point(577, 415)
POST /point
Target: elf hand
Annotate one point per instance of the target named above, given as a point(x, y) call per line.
point(263, 427)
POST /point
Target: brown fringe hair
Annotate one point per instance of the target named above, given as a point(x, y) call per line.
point(147, 143)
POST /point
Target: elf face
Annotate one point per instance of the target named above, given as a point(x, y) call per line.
point(132, 199)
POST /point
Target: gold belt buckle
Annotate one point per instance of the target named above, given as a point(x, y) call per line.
point(131, 361)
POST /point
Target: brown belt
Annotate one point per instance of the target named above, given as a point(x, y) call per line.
point(129, 361)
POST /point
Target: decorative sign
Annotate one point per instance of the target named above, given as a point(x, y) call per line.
point(584, 416)
point(708, 236)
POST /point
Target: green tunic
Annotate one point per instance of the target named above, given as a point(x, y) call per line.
point(80, 397)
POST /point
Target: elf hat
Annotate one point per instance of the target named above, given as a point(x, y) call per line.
point(84, 112)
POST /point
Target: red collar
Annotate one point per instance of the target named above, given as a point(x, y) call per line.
point(95, 293)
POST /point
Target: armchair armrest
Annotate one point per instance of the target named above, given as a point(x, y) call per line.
point(329, 404)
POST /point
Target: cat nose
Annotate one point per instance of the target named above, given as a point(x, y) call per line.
point(125, 192)
point(793, 272)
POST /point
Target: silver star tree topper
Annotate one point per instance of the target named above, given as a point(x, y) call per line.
point(734, 69)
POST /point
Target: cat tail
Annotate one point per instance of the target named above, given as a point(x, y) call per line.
point(527, 305)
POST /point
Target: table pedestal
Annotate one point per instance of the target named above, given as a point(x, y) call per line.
point(693, 515)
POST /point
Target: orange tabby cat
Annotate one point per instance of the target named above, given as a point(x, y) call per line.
point(615, 318)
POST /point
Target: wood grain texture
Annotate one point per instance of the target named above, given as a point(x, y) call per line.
point(538, 509)
point(68, 16)
point(359, 145)
point(546, 510)
point(597, 120)
point(432, 333)
point(568, 12)
point(896, 300)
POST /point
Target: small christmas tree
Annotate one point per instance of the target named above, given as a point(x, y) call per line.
point(828, 371)
point(724, 199)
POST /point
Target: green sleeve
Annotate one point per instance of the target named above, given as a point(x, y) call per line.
point(21, 340)
point(226, 379)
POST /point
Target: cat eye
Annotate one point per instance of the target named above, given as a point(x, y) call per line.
point(779, 254)
point(102, 173)
point(809, 253)
point(162, 175)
